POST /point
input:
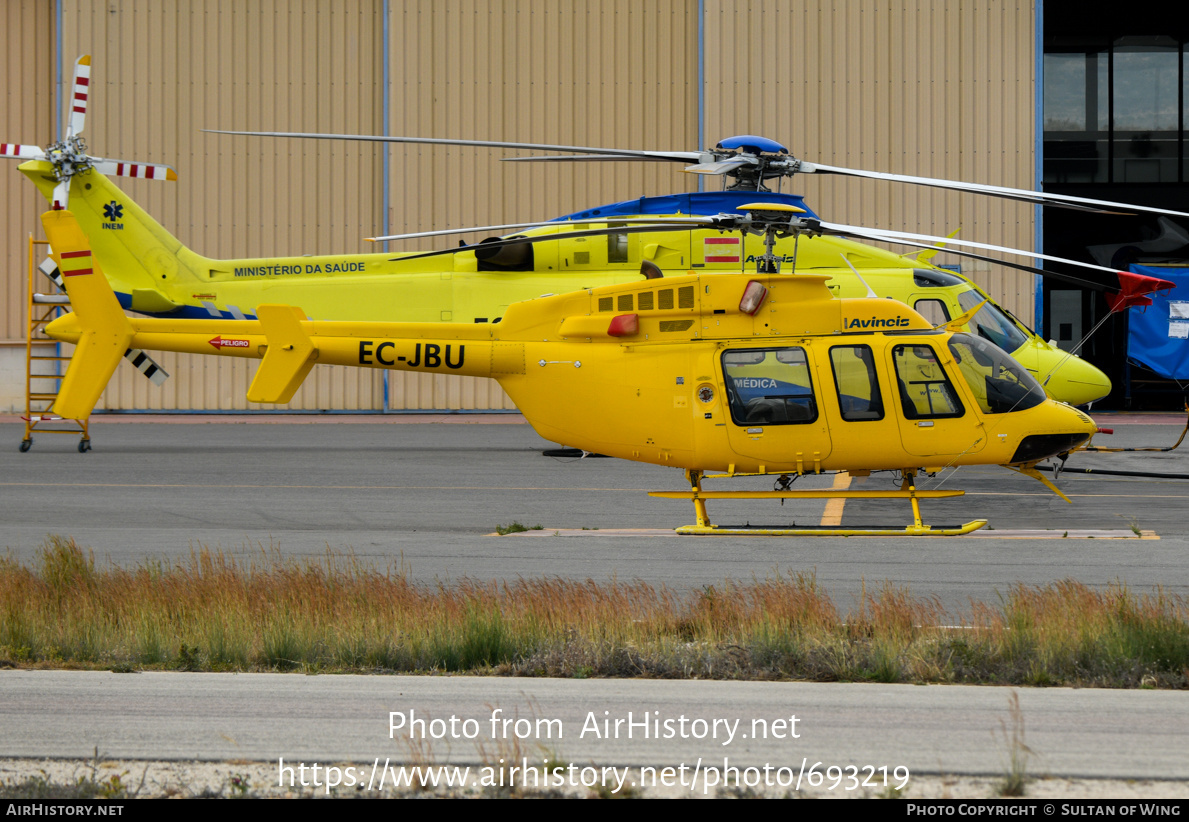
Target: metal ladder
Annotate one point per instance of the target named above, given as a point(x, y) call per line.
point(41, 388)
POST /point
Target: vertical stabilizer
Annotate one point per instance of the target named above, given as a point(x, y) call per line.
point(105, 330)
point(289, 358)
point(144, 261)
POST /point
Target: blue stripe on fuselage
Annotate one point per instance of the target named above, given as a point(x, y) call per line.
point(186, 312)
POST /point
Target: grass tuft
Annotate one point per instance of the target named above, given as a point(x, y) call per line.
point(264, 612)
point(1015, 779)
point(516, 528)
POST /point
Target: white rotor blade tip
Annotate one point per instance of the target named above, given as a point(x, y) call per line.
point(145, 171)
point(80, 94)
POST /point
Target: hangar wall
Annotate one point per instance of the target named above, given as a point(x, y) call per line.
point(919, 87)
point(928, 88)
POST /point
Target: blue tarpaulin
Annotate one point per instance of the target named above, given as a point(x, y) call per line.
point(1158, 334)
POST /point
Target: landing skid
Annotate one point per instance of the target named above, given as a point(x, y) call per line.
point(908, 490)
point(827, 531)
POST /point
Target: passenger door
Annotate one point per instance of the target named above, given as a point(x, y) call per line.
point(774, 408)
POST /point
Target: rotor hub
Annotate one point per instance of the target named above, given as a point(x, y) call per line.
point(69, 157)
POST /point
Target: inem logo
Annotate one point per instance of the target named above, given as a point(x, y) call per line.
point(112, 212)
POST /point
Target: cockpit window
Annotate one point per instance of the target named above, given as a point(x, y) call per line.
point(925, 391)
point(999, 383)
point(991, 323)
point(934, 311)
point(769, 386)
point(934, 278)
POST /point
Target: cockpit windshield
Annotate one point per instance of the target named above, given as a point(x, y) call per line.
point(999, 383)
point(991, 323)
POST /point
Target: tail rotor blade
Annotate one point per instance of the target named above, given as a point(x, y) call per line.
point(21, 152)
point(79, 96)
point(61, 195)
point(146, 365)
point(146, 171)
point(49, 267)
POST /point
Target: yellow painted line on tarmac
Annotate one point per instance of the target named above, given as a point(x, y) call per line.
point(981, 534)
point(833, 513)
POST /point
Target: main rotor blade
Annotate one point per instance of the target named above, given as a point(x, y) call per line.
point(1042, 272)
point(734, 222)
point(610, 222)
point(79, 97)
point(1042, 197)
point(571, 158)
point(594, 232)
point(723, 166)
point(675, 156)
point(895, 236)
point(922, 242)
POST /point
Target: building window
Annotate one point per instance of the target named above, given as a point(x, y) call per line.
point(1115, 112)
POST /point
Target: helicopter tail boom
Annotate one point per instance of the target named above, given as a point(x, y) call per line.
point(140, 255)
point(288, 344)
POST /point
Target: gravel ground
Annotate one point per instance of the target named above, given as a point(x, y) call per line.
point(181, 779)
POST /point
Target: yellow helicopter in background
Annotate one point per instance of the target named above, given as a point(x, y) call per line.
point(153, 273)
point(741, 374)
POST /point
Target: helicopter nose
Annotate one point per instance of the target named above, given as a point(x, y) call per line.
point(1067, 428)
point(1069, 378)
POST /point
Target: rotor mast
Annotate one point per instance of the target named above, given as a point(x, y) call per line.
point(775, 221)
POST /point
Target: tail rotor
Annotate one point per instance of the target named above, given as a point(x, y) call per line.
point(69, 157)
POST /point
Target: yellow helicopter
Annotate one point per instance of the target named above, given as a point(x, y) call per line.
point(155, 274)
point(743, 374)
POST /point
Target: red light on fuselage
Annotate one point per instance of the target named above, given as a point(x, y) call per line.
point(753, 298)
point(625, 325)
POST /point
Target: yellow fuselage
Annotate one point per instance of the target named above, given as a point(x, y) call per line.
point(692, 383)
point(152, 272)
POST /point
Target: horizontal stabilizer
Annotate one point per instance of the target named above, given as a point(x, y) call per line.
point(289, 358)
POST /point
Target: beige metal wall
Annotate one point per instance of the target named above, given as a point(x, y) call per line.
point(28, 65)
point(162, 71)
point(572, 73)
point(932, 89)
point(941, 89)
